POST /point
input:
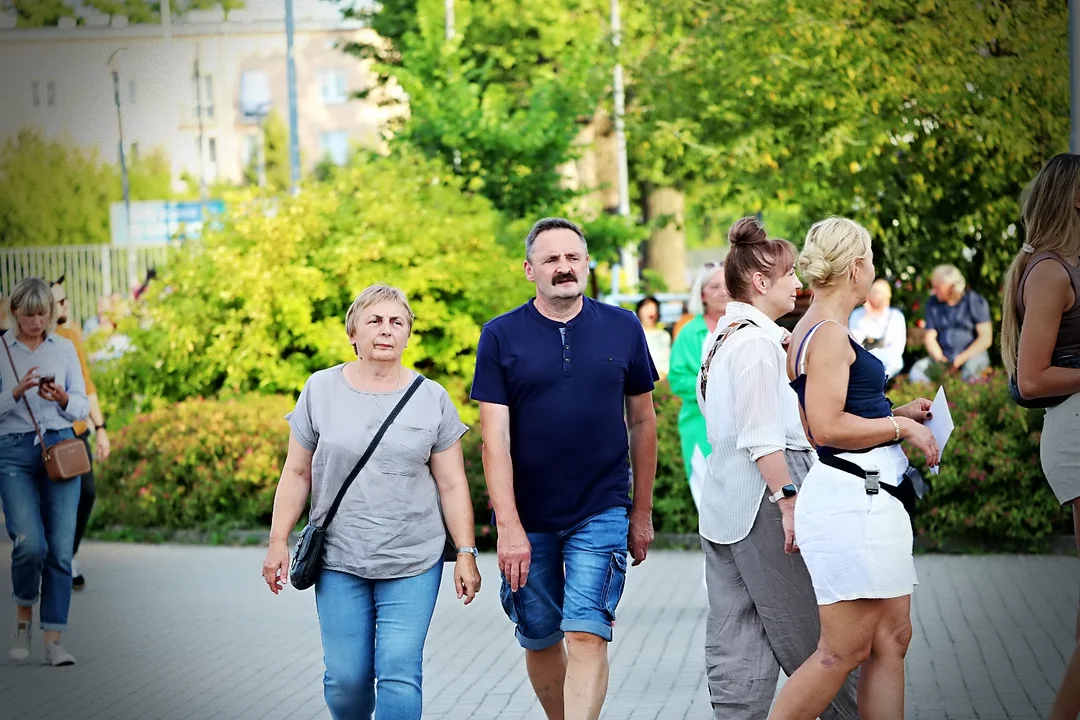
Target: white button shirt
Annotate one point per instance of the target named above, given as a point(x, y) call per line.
point(750, 411)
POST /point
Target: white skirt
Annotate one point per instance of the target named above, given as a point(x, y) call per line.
point(856, 546)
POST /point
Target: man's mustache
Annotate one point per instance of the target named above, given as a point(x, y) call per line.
point(563, 277)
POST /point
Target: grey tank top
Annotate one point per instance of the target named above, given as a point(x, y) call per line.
point(1068, 339)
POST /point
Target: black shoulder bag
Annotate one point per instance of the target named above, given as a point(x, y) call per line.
point(307, 558)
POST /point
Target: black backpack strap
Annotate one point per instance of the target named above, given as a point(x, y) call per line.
point(371, 448)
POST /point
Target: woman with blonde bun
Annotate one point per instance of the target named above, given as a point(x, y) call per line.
point(850, 519)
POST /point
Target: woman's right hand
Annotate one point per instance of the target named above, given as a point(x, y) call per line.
point(276, 566)
point(922, 438)
point(28, 381)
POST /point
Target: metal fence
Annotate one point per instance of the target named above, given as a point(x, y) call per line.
point(90, 271)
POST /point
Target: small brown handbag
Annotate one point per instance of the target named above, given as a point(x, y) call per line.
point(64, 460)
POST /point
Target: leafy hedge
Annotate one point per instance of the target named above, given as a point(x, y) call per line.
point(207, 464)
point(991, 484)
point(214, 464)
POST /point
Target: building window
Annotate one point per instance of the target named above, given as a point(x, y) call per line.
point(134, 152)
point(254, 95)
point(208, 95)
point(332, 87)
point(335, 145)
point(212, 148)
point(204, 96)
point(131, 92)
point(35, 94)
point(50, 94)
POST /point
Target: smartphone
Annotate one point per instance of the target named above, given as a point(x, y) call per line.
point(46, 380)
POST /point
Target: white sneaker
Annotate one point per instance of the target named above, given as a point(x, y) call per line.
point(20, 645)
point(57, 656)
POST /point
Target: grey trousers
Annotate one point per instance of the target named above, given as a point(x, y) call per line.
point(763, 616)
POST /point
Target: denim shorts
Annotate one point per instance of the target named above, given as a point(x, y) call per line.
point(576, 579)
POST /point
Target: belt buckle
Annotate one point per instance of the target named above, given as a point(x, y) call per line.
point(873, 481)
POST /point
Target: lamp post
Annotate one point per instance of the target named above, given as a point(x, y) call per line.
point(124, 181)
point(627, 255)
point(294, 135)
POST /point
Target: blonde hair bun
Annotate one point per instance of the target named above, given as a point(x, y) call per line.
point(832, 247)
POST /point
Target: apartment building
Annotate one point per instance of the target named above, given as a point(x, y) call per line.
point(196, 88)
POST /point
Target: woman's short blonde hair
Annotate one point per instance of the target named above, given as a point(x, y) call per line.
point(696, 304)
point(950, 275)
point(373, 295)
point(32, 296)
point(832, 247)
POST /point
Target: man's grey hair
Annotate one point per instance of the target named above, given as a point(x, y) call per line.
point(950, 275)
point(551, 223)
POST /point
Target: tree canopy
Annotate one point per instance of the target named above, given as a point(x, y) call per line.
point(921, 119)
point(261, 304)
point(52, 193)
point(504, 100)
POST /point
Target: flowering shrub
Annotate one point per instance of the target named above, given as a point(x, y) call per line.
point(196, 464)
point(214, 464)
point(991, 485)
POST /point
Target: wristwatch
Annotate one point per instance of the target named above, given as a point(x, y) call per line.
point(468, 551)
point(788, 491)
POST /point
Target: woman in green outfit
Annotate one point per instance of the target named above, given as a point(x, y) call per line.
point(708, 302)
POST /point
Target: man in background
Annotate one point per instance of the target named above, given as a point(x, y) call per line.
point(958, 329)
point(68, 330)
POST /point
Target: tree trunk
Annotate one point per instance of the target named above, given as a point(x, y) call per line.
point(593, 172)
point(667, 243)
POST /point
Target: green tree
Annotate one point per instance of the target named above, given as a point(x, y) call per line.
point(43, 13)
point(922, 119)
point(52, 193)
point(261, 304)
point(504, 100)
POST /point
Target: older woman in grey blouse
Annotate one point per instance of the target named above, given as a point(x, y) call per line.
point(382, 561)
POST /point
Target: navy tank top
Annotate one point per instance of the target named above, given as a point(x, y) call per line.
point(865, 390)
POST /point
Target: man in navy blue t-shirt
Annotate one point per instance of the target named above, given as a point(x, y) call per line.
point(562, 381)
point(958, 327)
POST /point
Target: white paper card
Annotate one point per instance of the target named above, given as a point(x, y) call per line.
point(940, 423)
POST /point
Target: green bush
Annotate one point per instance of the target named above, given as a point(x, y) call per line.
point(198, 464)
point(261, 304)
point(673, 506)
point(214, 465)
point(991, 485)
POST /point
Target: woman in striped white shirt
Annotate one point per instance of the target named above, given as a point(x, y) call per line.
point(763, 616)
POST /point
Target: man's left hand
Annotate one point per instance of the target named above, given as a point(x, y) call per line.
point(641, 534)
point(102, 444)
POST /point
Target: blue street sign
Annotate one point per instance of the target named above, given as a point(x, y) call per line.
point(162, 221)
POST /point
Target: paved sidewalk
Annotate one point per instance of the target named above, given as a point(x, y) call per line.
point(178, 632)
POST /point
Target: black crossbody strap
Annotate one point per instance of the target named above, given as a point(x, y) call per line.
point(371, 449)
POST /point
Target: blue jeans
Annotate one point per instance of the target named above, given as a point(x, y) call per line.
point(576, 579)
point(373, 631)
point(40, 516)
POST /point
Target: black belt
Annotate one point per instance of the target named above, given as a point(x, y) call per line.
point(904, 492)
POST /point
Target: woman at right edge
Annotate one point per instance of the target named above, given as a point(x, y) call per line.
point(1046, 275)
point(856, 544)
